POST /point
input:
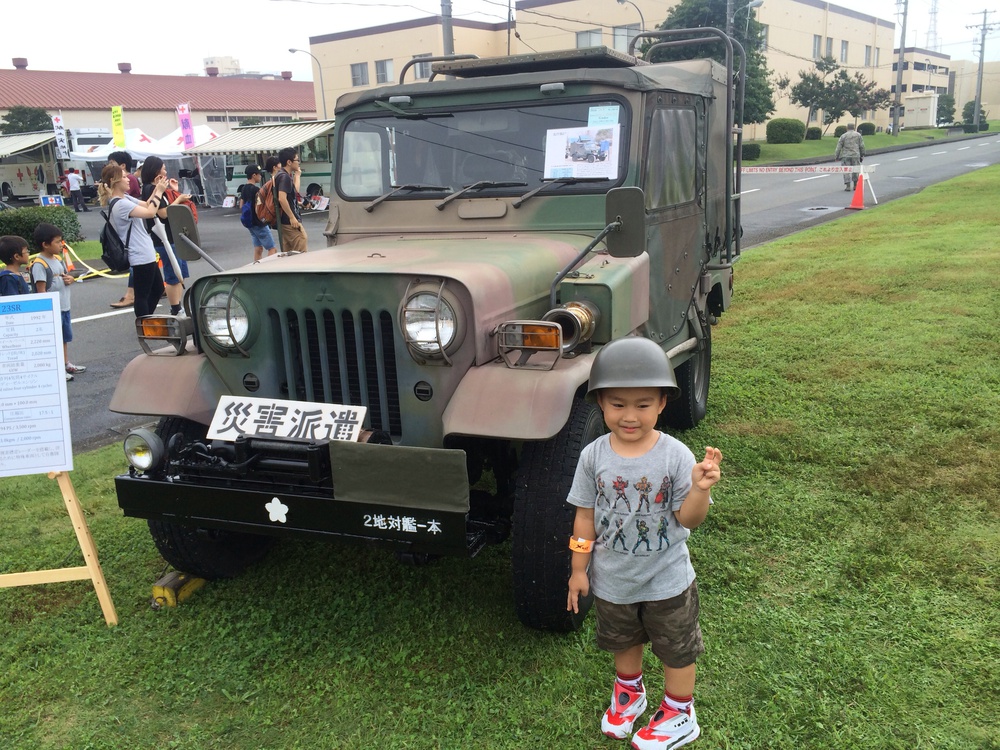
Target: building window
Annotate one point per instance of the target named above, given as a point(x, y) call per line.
point(589, 38)
point(383, 71)
point(359, 74)
point(843, 51)
point(763, 37)
point(623, 35)
point(817, 46)
point(422, 70)
point(876, 57)
point(868, 55)
point(829, 46)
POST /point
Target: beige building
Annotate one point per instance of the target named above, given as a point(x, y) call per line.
point(963, 85)
point(794, 33)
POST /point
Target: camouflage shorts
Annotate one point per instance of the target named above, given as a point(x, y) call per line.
point(670, 626)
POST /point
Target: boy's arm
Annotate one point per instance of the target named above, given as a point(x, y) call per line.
point(579, 581)
point(704, 475)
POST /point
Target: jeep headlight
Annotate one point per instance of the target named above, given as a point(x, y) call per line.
point(144, 450)
point(225, 320)
point(429, 323)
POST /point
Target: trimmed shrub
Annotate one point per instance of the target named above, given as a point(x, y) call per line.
point(22, 222)
point(970, 127)
point(839, 131)
point(786, 130)
point(867, 128)
point(814, 134)
point(751, 151)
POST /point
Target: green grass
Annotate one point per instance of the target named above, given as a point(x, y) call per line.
point(848, 571)
point(778, 152)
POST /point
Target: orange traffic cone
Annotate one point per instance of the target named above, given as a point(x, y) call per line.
point(858, 202)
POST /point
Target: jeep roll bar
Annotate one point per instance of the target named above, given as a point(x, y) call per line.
point(430, 59)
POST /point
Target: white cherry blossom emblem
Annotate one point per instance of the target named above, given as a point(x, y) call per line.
point(276, 510)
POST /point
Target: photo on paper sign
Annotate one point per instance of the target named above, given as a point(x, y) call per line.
point(582, 152)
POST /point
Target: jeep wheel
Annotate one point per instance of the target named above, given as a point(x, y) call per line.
point(692, 378)
point(543, 523)
point(590, 157)
point(206, 553)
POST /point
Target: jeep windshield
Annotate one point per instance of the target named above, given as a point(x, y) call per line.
point(501, 150)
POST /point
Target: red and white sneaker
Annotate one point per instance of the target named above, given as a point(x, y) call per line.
point(626, 706)
point(667, 730)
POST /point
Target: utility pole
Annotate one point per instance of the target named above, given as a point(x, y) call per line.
point(899, 75)
point(446, 30)
point(979, 78)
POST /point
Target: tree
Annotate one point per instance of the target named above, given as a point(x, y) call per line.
point(21, 119)
point(946, 109)
point(969, 113)
point(835, 91)
point(758, 91)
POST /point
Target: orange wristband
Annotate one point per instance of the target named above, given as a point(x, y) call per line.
point(579, 544)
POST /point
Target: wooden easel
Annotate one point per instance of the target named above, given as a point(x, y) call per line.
point(92, 568)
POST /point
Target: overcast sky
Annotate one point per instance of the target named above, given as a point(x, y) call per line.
point(185, 33)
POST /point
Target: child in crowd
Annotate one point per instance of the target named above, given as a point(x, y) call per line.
point(14, 253)
point(48, 274)
point(637, 493)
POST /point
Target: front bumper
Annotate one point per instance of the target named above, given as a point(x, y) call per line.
point(413, 499)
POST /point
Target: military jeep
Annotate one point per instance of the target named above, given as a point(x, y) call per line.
point(473, 270)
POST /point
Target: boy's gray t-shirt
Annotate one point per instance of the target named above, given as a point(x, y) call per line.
point(641, 553)
point(58, 285)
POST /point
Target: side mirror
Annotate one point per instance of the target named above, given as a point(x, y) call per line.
point(182, 224)
point(628, 206)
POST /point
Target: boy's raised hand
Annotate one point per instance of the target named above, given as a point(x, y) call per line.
point(706, 473)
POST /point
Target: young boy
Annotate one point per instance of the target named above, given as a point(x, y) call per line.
point(637, 493)
point(14, 253)
point(48, 274)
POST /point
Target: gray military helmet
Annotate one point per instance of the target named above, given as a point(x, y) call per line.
point(632, 362)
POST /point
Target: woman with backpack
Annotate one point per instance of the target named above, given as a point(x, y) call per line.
point(126, 216)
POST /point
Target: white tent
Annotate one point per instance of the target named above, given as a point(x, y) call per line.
point(172, 145)
point(137, 143)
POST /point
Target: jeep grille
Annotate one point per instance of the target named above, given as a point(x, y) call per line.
point(341, 358)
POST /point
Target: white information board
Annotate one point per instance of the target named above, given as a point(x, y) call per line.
point(34, 416)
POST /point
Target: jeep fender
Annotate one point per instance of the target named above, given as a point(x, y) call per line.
point(496, 401)
point(165, 386)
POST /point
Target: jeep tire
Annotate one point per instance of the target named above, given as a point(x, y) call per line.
point(693, 378)
point(543, 523)
point(206, 553)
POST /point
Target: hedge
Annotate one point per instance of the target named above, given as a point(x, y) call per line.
point(867, 128)
point(751, 151)
point(785, 130)
point(22, 222)
point(814, 134)
point(839, 131)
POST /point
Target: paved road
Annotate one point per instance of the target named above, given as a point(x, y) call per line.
point(774, 205)
point(104, 339)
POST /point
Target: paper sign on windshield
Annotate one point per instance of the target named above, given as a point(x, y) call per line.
point(276, 419)
point(582, 152)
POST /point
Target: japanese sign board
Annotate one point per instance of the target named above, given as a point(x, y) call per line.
point(276, 419)
point(34, 417)
point(62, 146)
point(118, 126)
point(51, 200)
point(187, 129)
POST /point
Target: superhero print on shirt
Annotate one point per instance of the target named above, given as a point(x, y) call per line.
point(620, 485)
point(619, 535)
point(661, 533)
point(643, 538)
point(663, 494)
point(644, 488)
point(601, 494)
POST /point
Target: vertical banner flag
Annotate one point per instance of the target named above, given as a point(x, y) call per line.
point(187, 129)
point(118, 127)
point(62, 149)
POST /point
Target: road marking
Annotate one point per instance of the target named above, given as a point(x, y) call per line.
point(907, 158)
point(817, 177)
point(985, 144)
point(965, 148)
point(127, 311)
point(747, 192)
point(939, 152)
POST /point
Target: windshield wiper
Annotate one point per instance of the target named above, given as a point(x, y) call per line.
point(416, 188)
point(477, 186)
point(557, 181)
